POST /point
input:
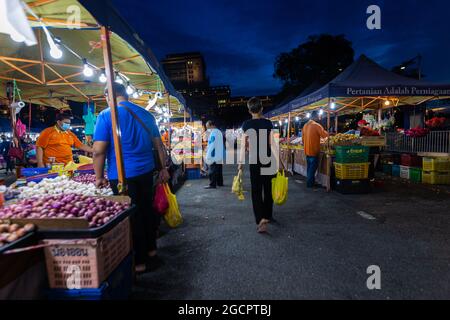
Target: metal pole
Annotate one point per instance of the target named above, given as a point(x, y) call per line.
point(106, 45)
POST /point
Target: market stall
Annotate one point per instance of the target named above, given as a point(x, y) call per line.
point(364, 89)
point(67, 219)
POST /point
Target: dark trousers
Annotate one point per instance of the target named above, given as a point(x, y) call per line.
point(145, 222)
point(261, 194)
point(312, 164)
point(215, 175)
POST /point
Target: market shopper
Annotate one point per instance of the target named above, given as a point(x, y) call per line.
point(214, 156)
point(261, 183)
point(311, 134)
point(57, 142)
point(4, 150)
point(140, 136)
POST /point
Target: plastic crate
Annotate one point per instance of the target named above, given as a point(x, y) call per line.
point(404, 172)
point(435, 177)
point(352, 171)
point(436, 164)
point(353, 186)
point(193, 174)
point(352, 154)
point(396, 170)
point(410, 160)
point(387, 168)
point(117, 287)
point(415, 175)
point(29, 172)
point(96, 258)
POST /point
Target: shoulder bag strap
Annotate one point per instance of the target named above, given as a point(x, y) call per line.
point(158, 163)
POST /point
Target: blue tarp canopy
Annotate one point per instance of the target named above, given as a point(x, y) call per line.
point(365, 84)
point(105, 13)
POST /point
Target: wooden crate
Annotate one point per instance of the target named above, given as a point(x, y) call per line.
point(89, 260)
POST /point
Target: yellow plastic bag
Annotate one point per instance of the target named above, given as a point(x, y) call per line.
point(71, 166)
point(280, 188)
point(237, 186)
point(173, 216)
point(85, 160)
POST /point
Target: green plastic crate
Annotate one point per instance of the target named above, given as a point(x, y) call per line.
point(387, 168)
point(415, 175)
point(352, 154)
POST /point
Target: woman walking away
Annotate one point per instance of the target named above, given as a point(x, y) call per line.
point(256, 129)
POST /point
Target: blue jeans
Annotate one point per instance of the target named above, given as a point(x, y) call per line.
point(311, 167)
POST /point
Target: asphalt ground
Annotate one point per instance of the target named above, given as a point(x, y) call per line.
point(320, 248)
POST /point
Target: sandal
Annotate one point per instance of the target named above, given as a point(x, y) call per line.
point(262, 228)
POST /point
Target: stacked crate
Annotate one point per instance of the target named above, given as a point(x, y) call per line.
point(352, 169)
point(410, 168)
point(436, 170)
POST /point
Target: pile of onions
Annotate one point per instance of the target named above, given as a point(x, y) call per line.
point(97, 211)
point(13, 232)
point(85, 178)
point(61, 185)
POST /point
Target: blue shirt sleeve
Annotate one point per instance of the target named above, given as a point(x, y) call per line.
point(102, 129)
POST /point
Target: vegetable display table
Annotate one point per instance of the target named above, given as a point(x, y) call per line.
point(323, 175)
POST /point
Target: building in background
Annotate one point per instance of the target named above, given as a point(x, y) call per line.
point(186, 70)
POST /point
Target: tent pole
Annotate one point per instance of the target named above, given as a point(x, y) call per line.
point(106, 45)
point(336, 122)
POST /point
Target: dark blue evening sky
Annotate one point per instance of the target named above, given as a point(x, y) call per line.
point(240, 39)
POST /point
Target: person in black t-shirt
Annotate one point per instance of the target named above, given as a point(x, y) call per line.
point(261, 184)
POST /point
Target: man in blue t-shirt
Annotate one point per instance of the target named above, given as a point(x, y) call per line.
point(139, 136)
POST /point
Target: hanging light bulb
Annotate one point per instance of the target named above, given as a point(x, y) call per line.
point(135, 95)
point(286, 121)
point(308, 115)
point(102, 77)
point(333, 105)
point(280, 122)
point(87, 70)
point(387, 103)
point(55, 51)
point(297, 119)
point(276, 125)
point(130, 89)
point(119, 79)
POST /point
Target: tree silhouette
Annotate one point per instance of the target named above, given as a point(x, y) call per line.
point(320, 59)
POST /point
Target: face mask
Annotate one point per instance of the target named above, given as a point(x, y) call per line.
point(65, 126)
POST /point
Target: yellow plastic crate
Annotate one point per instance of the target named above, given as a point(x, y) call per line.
point(354, 171)
point(436, 164)
point(435, 177)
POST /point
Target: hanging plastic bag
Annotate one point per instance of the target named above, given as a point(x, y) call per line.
point(160, 202)
point(173, 216)
point(280, 188)
point(237, 186)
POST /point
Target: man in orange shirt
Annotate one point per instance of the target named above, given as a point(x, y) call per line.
point(311, 134)
point(57, 142)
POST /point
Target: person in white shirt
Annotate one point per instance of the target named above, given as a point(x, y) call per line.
point(214, 156)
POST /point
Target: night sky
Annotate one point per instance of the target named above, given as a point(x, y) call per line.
point(241, 39)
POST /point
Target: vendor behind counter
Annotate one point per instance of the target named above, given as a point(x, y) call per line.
point(57, 142)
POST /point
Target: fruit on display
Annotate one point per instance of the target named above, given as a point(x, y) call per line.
point(61, 185)
point(10, 233)
point(343, 139)
point(368, 132)
point(97, 211)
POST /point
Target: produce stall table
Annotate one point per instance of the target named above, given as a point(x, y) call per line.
point(323, 175)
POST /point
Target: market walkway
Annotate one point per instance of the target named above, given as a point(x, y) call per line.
point(320, 248)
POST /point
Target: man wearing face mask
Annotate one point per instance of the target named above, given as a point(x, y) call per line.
point(57, 142)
